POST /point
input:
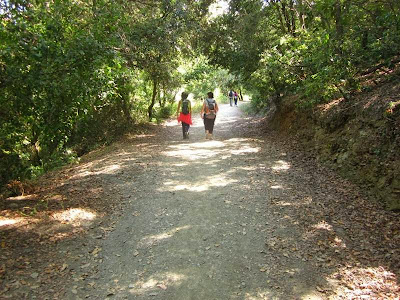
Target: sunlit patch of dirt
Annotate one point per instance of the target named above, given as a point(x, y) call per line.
point(74, 216)
point(11, 221)
point(367, 282)
point(327, 106)
point(153, 239)
point(160, 281)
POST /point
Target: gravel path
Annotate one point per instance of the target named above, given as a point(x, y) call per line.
point(195, 221)
point(232, 218)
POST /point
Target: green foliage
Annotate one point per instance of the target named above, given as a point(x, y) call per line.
point(314, 49)
point(196, 106)
point(165, 112)
point(77, 74)
point(201, 77)
point(56, 77)
point(249, 108)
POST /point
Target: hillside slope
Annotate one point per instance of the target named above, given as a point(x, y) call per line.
point(358, 137)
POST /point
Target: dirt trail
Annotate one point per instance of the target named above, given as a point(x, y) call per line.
point(232, 218)
point(197, 220)
point(238, 217)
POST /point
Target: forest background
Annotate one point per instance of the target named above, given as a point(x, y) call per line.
point(75, 75)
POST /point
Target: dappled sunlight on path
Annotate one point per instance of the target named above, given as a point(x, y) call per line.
point(237, 217)
point(208, 149)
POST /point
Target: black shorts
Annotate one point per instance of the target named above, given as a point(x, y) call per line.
point(209, 124)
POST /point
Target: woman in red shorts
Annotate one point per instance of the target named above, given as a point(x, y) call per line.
point(184, 114)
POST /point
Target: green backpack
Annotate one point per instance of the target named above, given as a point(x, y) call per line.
point(185, 106)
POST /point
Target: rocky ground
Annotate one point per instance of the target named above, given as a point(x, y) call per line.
point(247, 215)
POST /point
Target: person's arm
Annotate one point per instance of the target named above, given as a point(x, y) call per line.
point(178, 109)
point(216, 107)
point(190, 107)
point(203, 108)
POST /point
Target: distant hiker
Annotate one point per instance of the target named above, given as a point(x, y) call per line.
point(240, 95)
point(208, 114)
point(184, 114)
point(230, 95)
point(235, 96)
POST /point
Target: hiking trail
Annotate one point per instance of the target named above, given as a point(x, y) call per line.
point(243, 216)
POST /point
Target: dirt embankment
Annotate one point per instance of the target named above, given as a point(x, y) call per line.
point(359, 137)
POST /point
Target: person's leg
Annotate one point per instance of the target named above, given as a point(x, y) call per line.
point(186, 130)
point(207, 126)
point(212, 121)
point(183, 130)
point(236, 101)
point(211, 128)
point(230, 101)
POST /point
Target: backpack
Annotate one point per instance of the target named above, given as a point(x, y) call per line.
point(185, 107)
point(211, 105)
point(230, 94)
point(210, 109)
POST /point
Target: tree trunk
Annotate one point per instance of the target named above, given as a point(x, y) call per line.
point(364, 40)
point(153, 100)
point(293, 18)
point(338, 20)
point(286, 16)
point(280, 17)
point(300, 14)
point(159, 97)
point(35, 155)
point(277, 98)
point(126, 110)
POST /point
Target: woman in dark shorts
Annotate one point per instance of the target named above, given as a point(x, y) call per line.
point(209, 113)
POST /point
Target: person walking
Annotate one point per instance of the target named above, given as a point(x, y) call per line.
point(235, 96)
point(184, 114)
point(208, 114)
point(230, 95)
